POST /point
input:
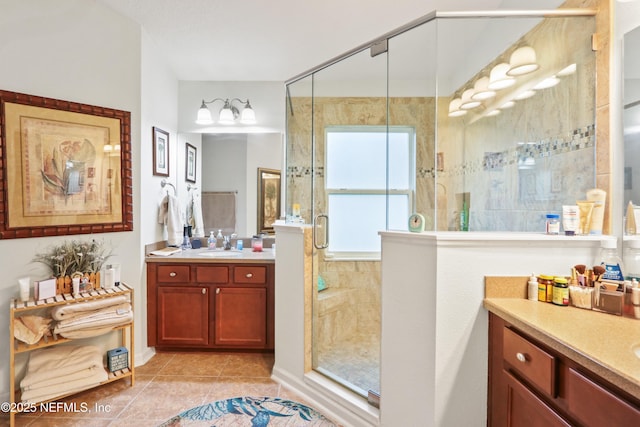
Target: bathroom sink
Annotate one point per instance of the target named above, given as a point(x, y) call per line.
point(221, 254)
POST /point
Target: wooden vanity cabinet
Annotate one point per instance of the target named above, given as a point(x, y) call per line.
point(210, 305)
point(532, 385)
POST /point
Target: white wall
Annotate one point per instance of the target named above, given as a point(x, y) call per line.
point(79, 51)
point(82, 51)
point(267, 100)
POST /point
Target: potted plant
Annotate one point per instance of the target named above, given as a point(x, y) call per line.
point(75, 258)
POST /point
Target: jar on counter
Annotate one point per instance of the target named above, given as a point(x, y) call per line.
point(560, 291)
point(545, 288)
point(553, 224)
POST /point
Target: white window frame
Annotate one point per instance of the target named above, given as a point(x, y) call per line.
point(409, 192)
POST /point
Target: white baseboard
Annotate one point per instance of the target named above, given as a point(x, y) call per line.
point(333, 400)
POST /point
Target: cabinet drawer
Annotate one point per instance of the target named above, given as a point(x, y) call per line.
point(212, 274)
point(587, 401)
point(534, 365)
point(250, 274)
point(173, 273)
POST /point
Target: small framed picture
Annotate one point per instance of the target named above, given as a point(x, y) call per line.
point(160, 152)
point(190, 163)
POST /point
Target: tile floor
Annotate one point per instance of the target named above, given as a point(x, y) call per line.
point(165, 386)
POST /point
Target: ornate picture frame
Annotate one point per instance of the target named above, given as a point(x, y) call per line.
point(268, 199)
point(65, 167)
point(160, 152)
point(190, 163)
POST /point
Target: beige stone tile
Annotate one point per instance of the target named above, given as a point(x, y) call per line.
point(248, 365)
point(196, 364)
point(157, 362)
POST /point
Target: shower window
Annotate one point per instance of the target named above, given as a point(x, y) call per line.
point(367, 170)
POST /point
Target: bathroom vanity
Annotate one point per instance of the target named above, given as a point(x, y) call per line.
point(559, 366)
point(200, 299)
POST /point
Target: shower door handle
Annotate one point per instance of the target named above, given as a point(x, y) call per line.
point(316, 220)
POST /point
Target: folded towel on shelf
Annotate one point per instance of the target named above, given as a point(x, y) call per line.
point(68, 311)
point(122, 317)
point(59, 361)
point(170, 214)
point(96, 315)
point(78, 375)
point(86, 332)
point(41, 394)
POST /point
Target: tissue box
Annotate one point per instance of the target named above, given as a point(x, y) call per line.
point(117, 359)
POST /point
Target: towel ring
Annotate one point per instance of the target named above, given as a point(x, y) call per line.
point(191, 187)
point(164, 182)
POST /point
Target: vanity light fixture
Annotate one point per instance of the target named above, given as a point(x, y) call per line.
point(493, 113)
point(498, 78)
point(522, 61)
point(570, 69)
point(454, 108)
point(481, 90)
point(547, 83)
point(228, 114)
point(467, 102)
point(524, 95)
point(507, 104)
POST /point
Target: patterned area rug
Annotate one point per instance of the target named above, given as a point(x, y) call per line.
point(250, 412)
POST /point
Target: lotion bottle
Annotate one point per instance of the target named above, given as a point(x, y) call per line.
point(532, 288)
point(211, 242)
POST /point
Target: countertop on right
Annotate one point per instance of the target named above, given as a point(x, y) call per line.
point(606, 344)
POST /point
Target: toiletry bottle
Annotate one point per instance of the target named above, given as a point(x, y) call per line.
point(631, 259)
point(211, 242)
point(220, 239)
point(464, 217)
point(532, 288)
point(630, 226)
point(609, 259)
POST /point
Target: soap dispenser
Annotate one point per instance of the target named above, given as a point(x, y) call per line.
point(211, 242)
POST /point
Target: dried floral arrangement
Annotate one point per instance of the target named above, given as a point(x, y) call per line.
point(74, 256)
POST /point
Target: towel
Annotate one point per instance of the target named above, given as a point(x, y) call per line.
point(113, 320)
point(69, 311)
point(42, 394)
point(170, 214)
point(195, 219)
point(54, 362)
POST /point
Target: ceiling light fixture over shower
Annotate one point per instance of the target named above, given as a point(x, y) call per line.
point(228, 114)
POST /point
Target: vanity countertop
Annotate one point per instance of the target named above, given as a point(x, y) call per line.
point(203, 255)
point(606, 344)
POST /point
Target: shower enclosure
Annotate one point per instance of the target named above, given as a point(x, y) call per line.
point(426, 119)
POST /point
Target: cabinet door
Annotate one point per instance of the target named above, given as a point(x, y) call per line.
point(183, 315)
point(525, 409)
point(241, 317)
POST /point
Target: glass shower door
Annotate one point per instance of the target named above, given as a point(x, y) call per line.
point(349, 158)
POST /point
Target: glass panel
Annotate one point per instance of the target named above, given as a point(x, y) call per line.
point(346, 311)
point(528, 149)
point(299, 139)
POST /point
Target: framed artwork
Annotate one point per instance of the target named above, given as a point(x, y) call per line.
point(190, 163)
point(160, 152)
point(268, 199)
point(65, 167)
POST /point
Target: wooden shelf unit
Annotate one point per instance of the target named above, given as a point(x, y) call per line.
point(17, 347)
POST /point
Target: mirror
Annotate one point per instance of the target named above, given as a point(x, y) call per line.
point(631, 130)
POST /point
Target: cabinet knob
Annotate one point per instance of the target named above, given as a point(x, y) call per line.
point(521, 357)
point(173, 274)
point(249, 275)
point(204, 291)
point(217, 290)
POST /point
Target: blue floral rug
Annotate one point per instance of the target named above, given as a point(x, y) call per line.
point(250, 412)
